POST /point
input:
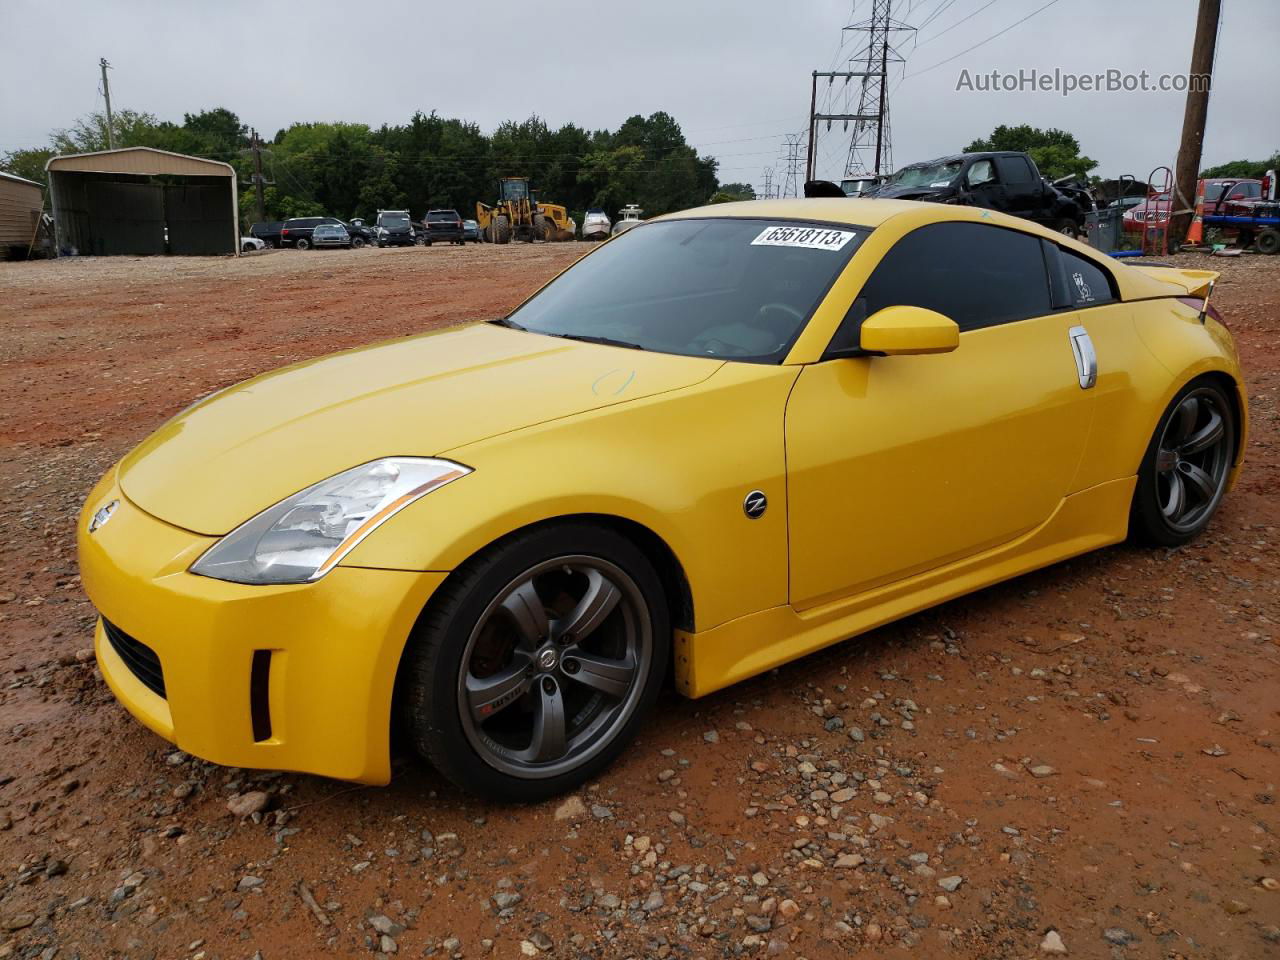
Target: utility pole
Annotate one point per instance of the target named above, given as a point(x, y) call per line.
point(1187, 166)
point(256, 146)
point(106, 95)
point(811, 164)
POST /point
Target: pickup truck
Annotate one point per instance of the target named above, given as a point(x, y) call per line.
point(1002, 180)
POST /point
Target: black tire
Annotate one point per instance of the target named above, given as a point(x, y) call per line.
point(357, 243)
point(1066, 226)
point(469, 749)
point(1267, 241)
point(304, 243)
point(499, 229)
point(1179, 486)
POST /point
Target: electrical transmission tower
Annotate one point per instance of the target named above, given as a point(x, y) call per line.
point(768, 184)
point(790, 186)
point(870, 147)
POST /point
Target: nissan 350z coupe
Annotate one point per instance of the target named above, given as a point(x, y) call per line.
point(725, 439)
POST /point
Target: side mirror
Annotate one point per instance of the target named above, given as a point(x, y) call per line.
point(904, 330)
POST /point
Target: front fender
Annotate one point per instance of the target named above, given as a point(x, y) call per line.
point(679, 464)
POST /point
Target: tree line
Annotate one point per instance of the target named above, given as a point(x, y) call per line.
point(352, 170)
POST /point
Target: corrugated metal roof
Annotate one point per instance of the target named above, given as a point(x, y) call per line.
point(11, 176)
point(139, 161)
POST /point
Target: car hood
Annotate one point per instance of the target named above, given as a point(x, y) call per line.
point(912, 193)
point(239, 451)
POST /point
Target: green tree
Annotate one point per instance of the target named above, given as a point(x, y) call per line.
point(1251, 169)
point(1055, 152)
point(738, 191)
point(28, 163)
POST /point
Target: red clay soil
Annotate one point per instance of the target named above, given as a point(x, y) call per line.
point(1085, 757)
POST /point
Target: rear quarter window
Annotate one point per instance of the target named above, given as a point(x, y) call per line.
point(1087, 284)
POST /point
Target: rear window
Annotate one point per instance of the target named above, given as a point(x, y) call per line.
point(442, 215)
point(735, 289)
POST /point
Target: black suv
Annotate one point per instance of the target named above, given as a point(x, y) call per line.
point(267, 231)
point(442, 225)
point(296, 232)
point(1004, 181)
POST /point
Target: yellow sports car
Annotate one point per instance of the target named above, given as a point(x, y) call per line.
point(724, 439)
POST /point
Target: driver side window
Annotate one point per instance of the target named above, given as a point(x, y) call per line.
point(976, 274)
point(982, 172)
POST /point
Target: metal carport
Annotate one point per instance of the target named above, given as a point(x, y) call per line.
point(139, 200)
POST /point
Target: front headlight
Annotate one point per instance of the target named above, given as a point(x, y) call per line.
point(305, 536)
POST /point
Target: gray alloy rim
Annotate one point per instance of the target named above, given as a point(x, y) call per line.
point(1193, 460)
point(555, 667)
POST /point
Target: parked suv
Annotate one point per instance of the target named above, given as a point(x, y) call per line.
point(267, 231)
point(442, 225)
point(1004, 181)
point(395, 229)
point(296, 232)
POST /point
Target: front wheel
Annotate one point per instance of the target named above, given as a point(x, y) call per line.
point(1184, 473)
point(537, 661)
point(357, 243)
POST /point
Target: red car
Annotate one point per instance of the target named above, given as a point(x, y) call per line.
point(1156, 211)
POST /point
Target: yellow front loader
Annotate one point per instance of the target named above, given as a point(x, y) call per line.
point(519, 215)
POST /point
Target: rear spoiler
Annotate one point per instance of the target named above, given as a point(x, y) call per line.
point(1196, 283)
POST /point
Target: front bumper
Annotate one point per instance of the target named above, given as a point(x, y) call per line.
point(326, 652)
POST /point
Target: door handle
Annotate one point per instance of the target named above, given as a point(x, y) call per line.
point(1086, 356)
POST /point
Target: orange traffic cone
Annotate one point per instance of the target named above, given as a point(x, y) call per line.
point(1195, 233)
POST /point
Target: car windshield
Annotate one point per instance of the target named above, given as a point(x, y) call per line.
point(393, 220)
point(926, 174)
point(724, 287)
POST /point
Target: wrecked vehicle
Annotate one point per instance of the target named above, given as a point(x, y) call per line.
point(1002, 180)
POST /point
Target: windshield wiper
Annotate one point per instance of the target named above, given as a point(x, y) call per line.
point(605, 341)
point(505, 322)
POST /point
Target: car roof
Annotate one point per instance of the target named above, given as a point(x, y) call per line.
point(855, 213)
point(872, 213)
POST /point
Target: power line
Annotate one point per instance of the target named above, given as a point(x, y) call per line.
point(935, 36)
point(986, 41)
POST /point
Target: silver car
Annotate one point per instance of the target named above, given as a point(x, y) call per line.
point(331, 235)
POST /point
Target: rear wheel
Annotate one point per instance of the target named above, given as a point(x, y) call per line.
point(1184, 473)
point(304, 243)
point(542, 227)
point(357, 243)
point(1268, 241)
point(537, 662)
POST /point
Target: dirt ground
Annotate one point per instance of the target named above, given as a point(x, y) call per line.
point(1085, 758)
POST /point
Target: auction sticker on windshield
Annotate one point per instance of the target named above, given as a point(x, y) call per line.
point(810, 238)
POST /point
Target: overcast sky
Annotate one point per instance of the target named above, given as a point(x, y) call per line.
point(734, 73)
